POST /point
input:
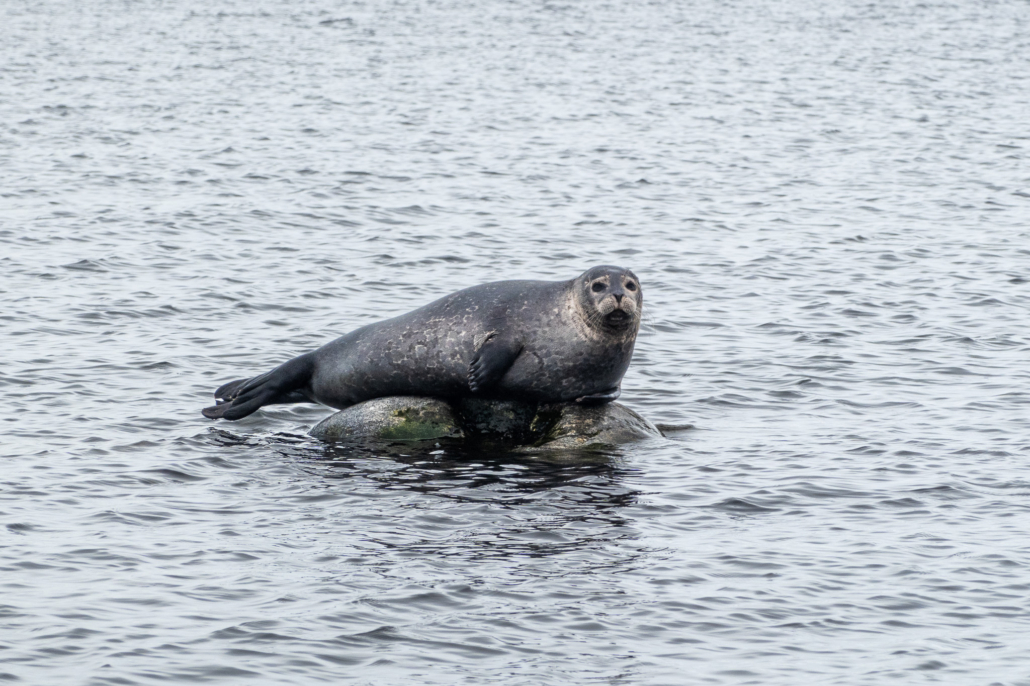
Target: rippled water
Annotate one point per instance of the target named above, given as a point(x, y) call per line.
point(827, 204)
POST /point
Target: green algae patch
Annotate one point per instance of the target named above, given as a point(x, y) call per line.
point(416, 424)
point(397, 418)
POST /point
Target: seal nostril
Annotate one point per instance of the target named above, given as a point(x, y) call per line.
point(618, 298)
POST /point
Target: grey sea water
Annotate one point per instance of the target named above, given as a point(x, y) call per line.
point(828, 206)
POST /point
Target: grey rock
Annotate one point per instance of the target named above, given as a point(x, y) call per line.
point(535, 428)
point(577, 427)
point(397, 417)
point(509, 420)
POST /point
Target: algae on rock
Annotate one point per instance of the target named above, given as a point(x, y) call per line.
point(532, 427)
point(397, 417)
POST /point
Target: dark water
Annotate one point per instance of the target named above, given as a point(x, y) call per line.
point(827, 203)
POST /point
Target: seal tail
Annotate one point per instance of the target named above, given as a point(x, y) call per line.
point(284, 384)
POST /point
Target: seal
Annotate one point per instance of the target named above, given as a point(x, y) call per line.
point(534, 341)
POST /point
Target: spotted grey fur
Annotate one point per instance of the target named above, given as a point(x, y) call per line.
point(539, 341)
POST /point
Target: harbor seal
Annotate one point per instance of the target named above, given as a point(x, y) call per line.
point(535, 341)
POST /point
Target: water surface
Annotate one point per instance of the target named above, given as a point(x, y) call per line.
point(827, 205)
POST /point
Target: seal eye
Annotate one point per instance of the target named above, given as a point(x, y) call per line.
point(630, 286)
point(597, 287)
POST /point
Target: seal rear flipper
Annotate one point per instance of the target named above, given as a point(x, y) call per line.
point(215, 411)
point(230, 390)
point(284, 384)
point(492, 360)
point(234, 389)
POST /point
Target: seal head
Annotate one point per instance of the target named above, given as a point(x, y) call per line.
point(610, 300)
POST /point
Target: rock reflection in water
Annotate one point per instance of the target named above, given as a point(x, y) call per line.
point(544, 497)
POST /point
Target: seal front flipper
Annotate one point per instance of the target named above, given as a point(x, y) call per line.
point(601, 398)
point(284, 384)
point(494, 357)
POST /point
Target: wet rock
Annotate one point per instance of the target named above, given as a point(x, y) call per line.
point(507, 420)
point(569, 426)
point(532, 427)
point(397, 417)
